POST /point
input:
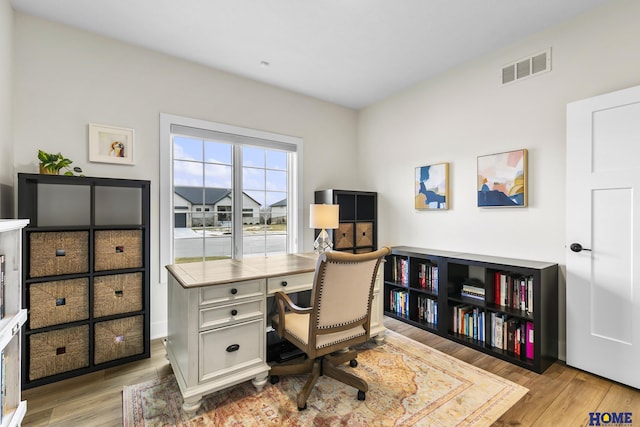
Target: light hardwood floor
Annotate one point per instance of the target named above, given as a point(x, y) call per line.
point(562, 396)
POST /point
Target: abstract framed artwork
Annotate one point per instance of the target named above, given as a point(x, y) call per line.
point(109, 144)
point(432, 187)
point(502, 179)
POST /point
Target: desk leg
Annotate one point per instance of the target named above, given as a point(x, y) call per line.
point(192, 404)
point(379, 339)
point(259, 382)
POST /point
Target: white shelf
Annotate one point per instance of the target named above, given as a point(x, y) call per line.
point(10, 326)
point(12, 224)
point(14, 317)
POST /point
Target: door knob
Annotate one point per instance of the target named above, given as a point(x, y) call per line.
point(577, 247)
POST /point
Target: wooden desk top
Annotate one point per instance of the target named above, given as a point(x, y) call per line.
point(207, 273)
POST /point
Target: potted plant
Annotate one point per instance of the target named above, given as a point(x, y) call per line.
point(52, 163)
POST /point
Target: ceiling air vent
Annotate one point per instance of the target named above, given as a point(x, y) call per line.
point(527, 67)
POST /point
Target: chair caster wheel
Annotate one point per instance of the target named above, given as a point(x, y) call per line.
point(361, 395)
point(353, 363)
point(274, 379)
point(303, 408)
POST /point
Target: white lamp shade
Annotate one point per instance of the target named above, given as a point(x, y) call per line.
point(323, 216)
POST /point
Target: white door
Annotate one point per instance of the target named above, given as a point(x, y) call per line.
point(603, 243)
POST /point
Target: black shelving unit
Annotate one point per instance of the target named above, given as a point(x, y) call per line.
point(511, 312)
point(357, 231)
point(86, 258)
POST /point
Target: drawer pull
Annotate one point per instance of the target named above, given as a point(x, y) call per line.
point(234, 312)
point(233, 347)
point(61, 301)
point(59, 252)
point(283, 283)
point(119, 293)
point(234, 291)
point(61, 350)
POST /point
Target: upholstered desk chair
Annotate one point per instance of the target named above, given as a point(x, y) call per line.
point(338, 318)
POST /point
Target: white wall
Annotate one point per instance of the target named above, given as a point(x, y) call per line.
point(66, 78)
point(465, 113)
point(6, 119)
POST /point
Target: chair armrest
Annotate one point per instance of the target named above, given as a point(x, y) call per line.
point(284, 303)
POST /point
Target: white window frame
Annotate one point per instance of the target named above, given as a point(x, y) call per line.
point(294, 206)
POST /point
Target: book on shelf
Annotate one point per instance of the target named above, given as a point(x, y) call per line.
point(512, 335)
point(470, 291)
point(428, 310)
point(469, 321)
point(428, 277)
point(497, 325)
point(401, 270)
point(399, 302)
point(513, 291)
point(529, 340)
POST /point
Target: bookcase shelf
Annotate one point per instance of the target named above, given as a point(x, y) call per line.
point(357, 229)
point(504, 307)
point(85, 271)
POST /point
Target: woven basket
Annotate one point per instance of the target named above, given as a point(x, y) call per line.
point(58, 351)
point(116, 249)
point(118, 293)
point(344, 236)
point(60, 301)
point(56, 253)
point(364, 234)
point(115, 339)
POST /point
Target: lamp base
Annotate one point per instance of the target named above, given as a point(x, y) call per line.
point(323, 243)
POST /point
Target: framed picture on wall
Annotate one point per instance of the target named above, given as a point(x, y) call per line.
point(110, 144)
point(432, 187)
point(502, 179)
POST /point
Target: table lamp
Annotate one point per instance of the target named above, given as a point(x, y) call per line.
point(323, 217)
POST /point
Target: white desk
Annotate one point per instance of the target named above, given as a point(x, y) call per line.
point(217, 319)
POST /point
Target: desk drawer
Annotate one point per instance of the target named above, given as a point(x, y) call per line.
point(224, 351)
point(290, 283)
point(218, 294)
point(230, 314)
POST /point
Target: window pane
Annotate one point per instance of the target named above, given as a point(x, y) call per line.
point(217, 176)
point(253, 179)
point(252, 156)
point(276, 180)
point(187, 173)
point(185, 148)
point(217, 152)
point(276, 160)
point(187, 245)
point(265, 193)
point(202, 200)
point(252, 198)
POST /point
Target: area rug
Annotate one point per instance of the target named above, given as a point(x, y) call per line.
point(410, 384)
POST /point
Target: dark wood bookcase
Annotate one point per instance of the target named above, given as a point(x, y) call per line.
point(85, 271)
point(504, 307)
point(357, 231)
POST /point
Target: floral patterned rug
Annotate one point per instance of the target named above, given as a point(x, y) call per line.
point(410, 384)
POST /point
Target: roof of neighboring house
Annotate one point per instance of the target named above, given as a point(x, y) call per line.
point(194, 194)
point(212, 195)
point(281, 203)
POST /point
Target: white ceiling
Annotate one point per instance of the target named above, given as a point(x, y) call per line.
point(349, 52)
